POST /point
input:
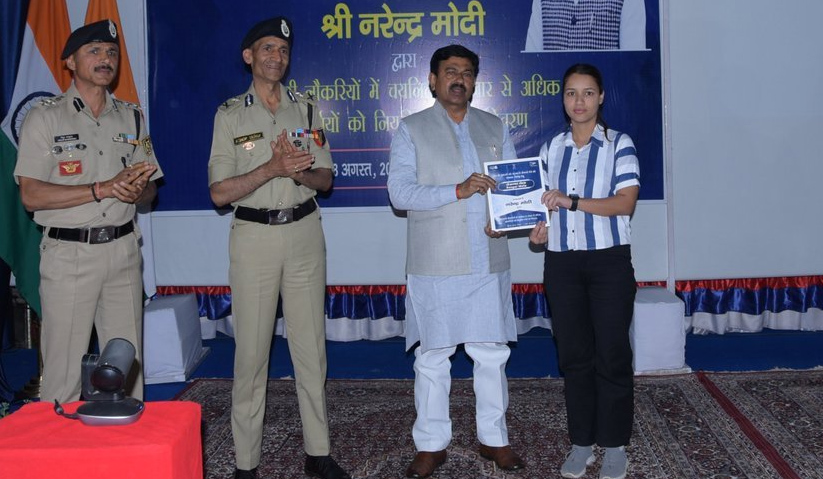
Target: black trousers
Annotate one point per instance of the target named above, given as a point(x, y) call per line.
point(591, 297)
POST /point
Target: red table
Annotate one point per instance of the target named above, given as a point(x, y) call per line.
point(164, 443)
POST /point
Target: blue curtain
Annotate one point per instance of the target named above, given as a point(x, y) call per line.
point(12, 24)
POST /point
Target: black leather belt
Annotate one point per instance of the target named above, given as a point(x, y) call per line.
point(103, 234)
point(276, 217)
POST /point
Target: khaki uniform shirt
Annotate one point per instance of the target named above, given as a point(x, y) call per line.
point(61, 142)
point(243, 131)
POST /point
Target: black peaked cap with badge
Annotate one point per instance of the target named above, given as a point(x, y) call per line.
point(102, 31)
point(279, 27)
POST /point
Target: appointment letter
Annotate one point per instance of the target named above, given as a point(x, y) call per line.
point(514, 203)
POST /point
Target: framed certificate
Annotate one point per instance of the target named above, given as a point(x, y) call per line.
point(514, 203)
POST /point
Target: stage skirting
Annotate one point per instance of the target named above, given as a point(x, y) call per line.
point(711, 306)
point(749, 305)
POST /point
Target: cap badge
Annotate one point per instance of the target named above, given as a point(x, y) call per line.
point(284, 28)
point(112, 29)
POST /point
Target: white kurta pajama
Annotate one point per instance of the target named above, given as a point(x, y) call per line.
point(447, 310)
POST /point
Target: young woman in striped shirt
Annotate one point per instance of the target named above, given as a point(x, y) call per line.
point(593, 181)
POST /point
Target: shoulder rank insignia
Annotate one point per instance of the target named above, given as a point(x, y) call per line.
point(231, 102)
point(309, 98)
point(51, 100)
point(127, 104)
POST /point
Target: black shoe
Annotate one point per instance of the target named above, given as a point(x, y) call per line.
point(324, 467)
point(243, 474)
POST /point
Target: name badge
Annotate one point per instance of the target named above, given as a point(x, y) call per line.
point(247, 138)
point(62, 138)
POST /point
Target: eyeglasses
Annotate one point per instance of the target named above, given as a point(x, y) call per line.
point(451, 74)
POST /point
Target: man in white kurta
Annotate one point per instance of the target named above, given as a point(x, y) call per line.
point(458, 276)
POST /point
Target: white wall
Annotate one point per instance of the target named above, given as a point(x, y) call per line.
point(364, 246)
point(746, 116)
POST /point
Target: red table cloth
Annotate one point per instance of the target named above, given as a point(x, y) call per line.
point(164, 443)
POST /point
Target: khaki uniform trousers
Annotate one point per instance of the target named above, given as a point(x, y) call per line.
point(265, 261)
point(84, 285)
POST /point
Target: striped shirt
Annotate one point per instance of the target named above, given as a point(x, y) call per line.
point(598, 170)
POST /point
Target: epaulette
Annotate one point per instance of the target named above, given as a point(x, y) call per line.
point(232, 103)
point(297, 97)
point(126, 104)
point(51, 101)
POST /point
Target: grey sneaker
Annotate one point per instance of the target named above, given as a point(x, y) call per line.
point(578, 459)
point(615, 463)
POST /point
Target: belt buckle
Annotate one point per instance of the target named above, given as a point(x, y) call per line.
point(281, 217)
point(104, 234)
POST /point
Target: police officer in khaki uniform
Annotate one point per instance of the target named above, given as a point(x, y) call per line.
point(85, 161)
point(269, 157)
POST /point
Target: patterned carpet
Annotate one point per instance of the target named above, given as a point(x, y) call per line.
point(752, 425)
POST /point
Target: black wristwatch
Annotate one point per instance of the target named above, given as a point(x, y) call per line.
point(575, 199)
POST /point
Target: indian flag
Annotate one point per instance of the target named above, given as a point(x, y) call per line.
point(125, 90)
point(40, 74)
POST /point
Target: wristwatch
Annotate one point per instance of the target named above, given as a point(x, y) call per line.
point(575, 199)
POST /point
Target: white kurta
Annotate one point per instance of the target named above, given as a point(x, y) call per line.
point(443, 311)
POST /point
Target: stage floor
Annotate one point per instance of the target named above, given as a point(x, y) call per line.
point(534, 355)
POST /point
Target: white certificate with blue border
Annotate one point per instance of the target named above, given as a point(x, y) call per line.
point(514, 203)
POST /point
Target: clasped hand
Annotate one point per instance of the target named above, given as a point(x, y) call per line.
point(287, 160)
point(128, 185)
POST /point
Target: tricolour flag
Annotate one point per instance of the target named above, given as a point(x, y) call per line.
point(125, 90)
point(41, 73)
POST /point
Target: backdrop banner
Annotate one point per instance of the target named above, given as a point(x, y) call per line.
point(367, 64)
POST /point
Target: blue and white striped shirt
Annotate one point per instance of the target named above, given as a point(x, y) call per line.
point(598, 170)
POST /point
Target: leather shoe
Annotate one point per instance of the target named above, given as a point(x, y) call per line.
point(504, 457)
point(424, 463)
point(244, 474)
point(324, 467)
